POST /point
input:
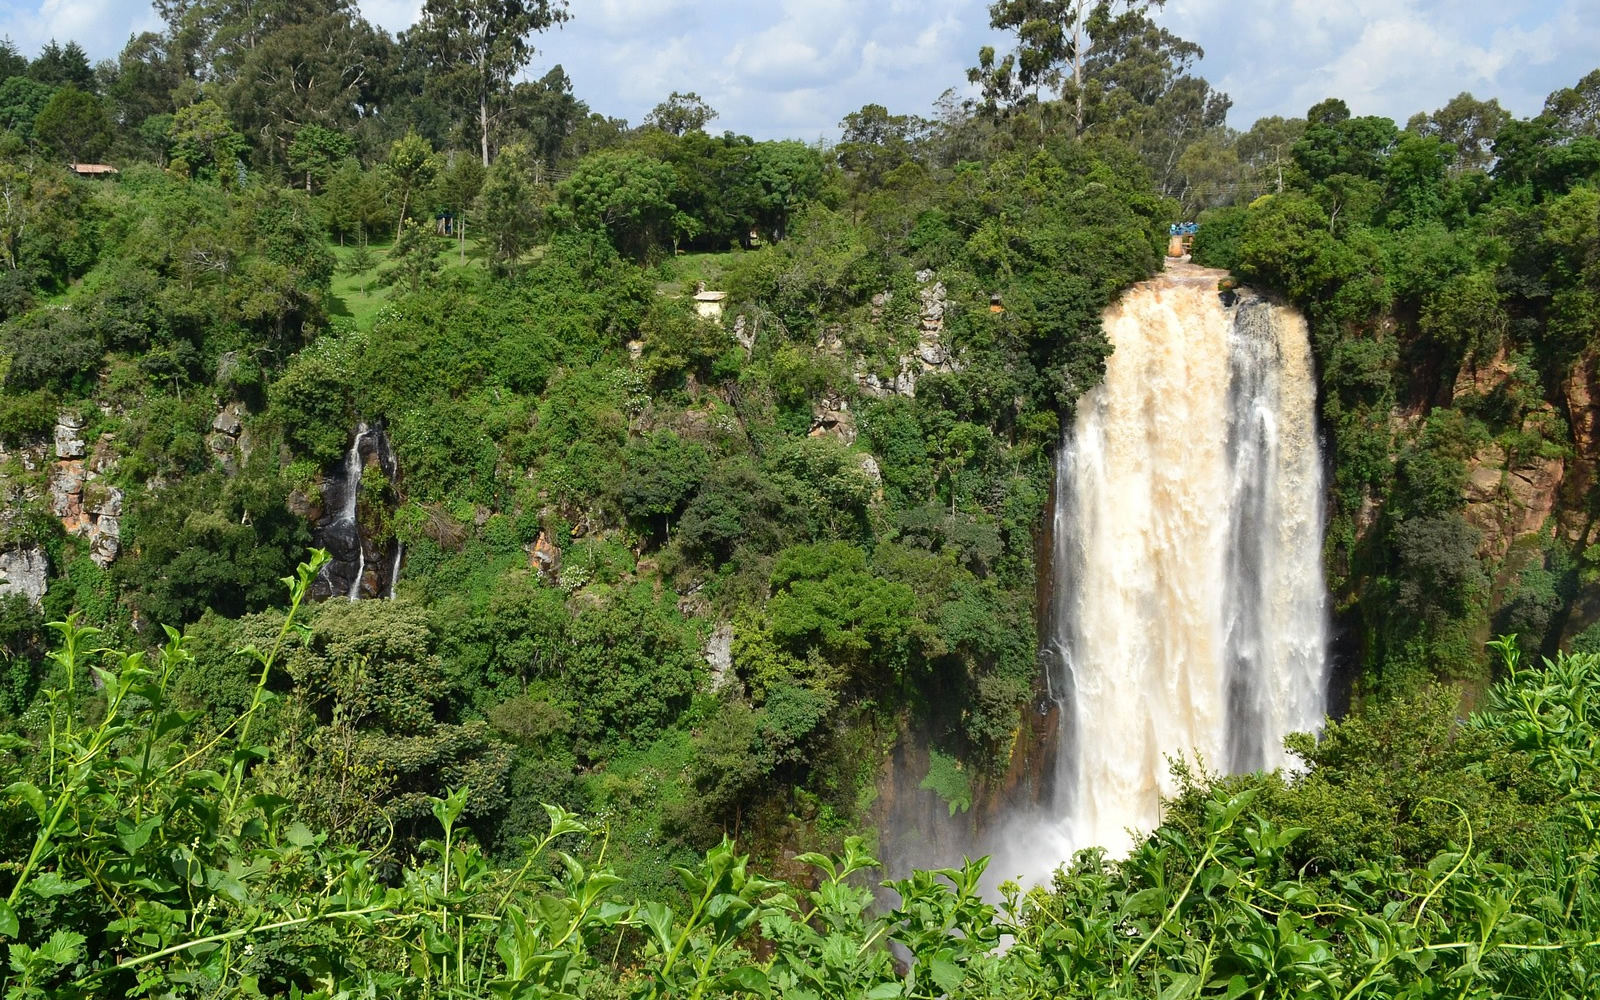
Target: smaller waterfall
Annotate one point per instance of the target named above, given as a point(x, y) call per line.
point(347, 515)
point(394, 571)
point(339, 529)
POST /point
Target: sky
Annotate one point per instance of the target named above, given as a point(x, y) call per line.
point(794, 68)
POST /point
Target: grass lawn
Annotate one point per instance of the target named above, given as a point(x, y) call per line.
point(360, 296)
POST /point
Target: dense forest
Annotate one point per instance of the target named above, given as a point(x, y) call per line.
point(454, 540)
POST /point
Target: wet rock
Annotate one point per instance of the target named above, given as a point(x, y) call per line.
point(745, 333)
point(1509, 504)
point(934, 301)
point(105, 543)
point(66, 491)
point(870, 469)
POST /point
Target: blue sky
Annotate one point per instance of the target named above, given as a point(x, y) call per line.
point(793, 68)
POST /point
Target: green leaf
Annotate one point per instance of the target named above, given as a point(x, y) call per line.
point(29, 793)
point(48, 884)
point(885, 991)
point(945, 973)
point(8, 920)
point(63, 947)
point(658, 917)
point(1236, 988)
point(173, 721)
point(746, 980)
point(131, 837)
point(299, 835)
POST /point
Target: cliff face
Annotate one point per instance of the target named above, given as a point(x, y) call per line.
point(1530, 466)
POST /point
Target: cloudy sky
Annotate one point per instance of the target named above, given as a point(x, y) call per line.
point(793, 68)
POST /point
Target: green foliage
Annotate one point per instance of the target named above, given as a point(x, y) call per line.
point(1411, 851)
point(204, 142)
point(947, 780)
point(74, 125)
point(626, 196)
point(208, 541)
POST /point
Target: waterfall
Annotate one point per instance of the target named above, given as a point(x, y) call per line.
point(1189, 611)
point(394, 571)
point(347, 514)
point(338, 529)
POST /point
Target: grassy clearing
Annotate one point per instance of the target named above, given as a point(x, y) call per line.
point(678, 275)
point(360, 296)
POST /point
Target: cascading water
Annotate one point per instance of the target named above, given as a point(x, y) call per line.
point(394, 570)
point(1189, 613)
point(347, 513)
point(360, 566)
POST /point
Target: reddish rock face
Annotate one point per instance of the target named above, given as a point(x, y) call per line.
point(545, 557)
point(88, 506)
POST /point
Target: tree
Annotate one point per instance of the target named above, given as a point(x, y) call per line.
point(477, 46)
point(663, 472)
point(74, 125)
point(21, 100)
point(1136, 83)
point(354, 200)
point(1469, 125)
point(456, 190)
point(316, 151)
point(12, 62)
point(1334, 142)
point(411, 166)
point(415, 255)
point(1576, 109)
point(1266, 148)
point(512, 208)
point(1054, 45)
point(142, 82)
point(324, 65)
point(681, 113)
point(873, 142)
point(789, 174)
point(548, 112)
point(626, 195)
point(204, 141)
point(63, 65)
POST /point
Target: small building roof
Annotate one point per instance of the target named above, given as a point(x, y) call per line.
point(93, 169)
point(704, 296)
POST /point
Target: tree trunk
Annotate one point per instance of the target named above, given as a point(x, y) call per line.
point(1077, 70)
point(483, 127)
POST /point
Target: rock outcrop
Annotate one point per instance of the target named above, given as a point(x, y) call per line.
point(24, 570)
point(228, 441)
point(88, 506)
point(930, 355)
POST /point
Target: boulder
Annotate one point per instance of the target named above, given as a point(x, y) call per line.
point(69, 436)
point(25, 570)
point(228, 420)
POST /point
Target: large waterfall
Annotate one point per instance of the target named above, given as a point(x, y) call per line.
point(1189, 613)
